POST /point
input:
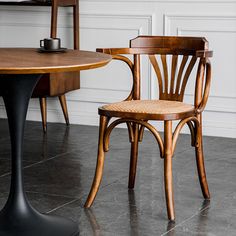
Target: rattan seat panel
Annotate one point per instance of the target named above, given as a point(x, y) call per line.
point(149, 107)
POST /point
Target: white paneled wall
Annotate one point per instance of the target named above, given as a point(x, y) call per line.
point(111, 23)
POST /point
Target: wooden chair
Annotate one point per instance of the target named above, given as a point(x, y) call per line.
point(184, 53)
point(57, 84)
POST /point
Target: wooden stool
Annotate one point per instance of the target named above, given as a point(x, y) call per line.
point(57, 84)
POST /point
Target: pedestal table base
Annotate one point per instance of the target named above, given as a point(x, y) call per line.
point(18, 217)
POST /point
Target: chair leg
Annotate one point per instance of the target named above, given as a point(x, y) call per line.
point(200, 163)
point(133, 157)
point(43, 108)
point(168, 170)
point(62, 99)
point(100, 163)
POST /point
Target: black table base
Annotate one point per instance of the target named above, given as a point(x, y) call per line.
point(18, 217)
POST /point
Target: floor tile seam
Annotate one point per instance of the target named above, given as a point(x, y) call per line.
point(37, 163)
point(74, 150)
point(116, 220)
point(50, 195)
point(9, 159)
point(186, 220)
point(63, 205)
point(76, 198)
point(49, 159)
point(107, 185)
point(5, 174)
point(198, 212)
point(102, 187)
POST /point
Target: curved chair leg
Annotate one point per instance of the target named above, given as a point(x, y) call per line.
point(62, 99)
point(100, 163)
point(133, 156)
point(43, 108)
point(168, 170)
point(200, 163)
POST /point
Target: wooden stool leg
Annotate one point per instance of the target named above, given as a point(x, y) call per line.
point(133, 157)
point(200, 163)
point(100, 163)
point(168, 170)
point(43, 108)
point(62, 99)
point(76, 25)
point(54, 13)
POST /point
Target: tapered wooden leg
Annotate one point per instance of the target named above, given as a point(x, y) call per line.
point(100, 163)
point(43, 107)
point(62, 99)
point(133, 157)
point(200, 163)
point(168, 170)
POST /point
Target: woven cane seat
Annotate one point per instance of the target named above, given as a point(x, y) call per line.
point(148, 109)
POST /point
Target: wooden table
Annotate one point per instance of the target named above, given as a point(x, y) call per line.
point(20, 70)
point(51, 85)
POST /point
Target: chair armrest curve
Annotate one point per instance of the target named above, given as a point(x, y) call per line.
point(206, 92)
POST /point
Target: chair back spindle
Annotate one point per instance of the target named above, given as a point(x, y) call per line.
point(173, 63)
point(172, 87)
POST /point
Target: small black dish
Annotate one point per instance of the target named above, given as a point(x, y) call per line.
point(51, 50)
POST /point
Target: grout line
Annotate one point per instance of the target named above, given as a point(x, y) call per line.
point(84, 195)
point(186, 220)
point(43, 161)
point(56, 208)
point(6, 174)
point(197, 213)
point(40, 162)
point(49, 194)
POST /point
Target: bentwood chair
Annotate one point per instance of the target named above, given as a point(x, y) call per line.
point(173, 60)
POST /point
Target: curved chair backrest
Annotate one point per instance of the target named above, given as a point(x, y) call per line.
point(173, 59)
point(172, 42)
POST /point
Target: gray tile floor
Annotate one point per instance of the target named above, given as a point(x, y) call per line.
point(59, 168)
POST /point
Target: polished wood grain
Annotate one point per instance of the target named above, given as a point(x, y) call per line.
point(173, 60)
point(55, 84)
point(133, 155)
point(168, 178)
point(30, 61)
point(100, 161)
point(171, 42)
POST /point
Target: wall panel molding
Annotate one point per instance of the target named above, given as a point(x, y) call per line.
point(220, 30)
point(112, 23)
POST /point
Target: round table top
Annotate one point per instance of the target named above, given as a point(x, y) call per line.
point(30, 61)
